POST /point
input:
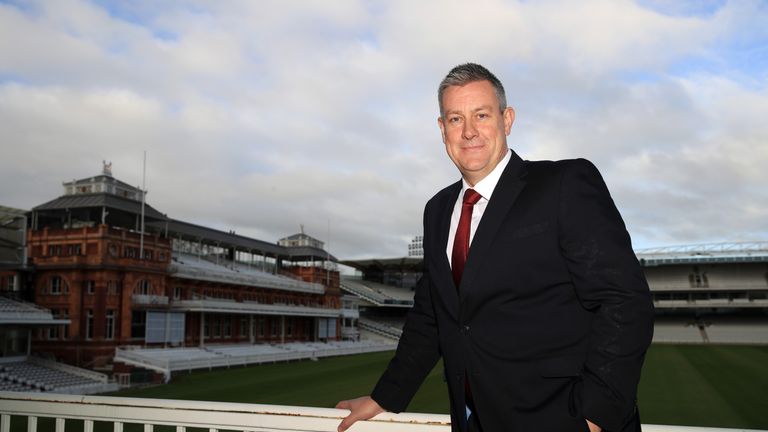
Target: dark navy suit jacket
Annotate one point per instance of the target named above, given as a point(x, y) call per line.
point(553, 315)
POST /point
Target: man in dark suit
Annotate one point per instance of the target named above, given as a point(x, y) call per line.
point(531, 292)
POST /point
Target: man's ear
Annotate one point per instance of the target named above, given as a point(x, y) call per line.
point(509, 118)
point(442, 127)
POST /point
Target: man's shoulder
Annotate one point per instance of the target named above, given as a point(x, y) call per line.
point(558, 171)
point(559, 165)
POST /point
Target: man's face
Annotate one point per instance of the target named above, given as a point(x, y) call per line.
point(474, 129)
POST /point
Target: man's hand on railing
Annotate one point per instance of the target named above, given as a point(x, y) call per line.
point(362, 408)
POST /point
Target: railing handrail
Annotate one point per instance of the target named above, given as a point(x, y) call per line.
point(224, 415)
point(204, 414)
point(223, 275)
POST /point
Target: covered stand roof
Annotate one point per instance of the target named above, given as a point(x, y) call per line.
point(405, 264)
point(193, 232)
point(98, 200)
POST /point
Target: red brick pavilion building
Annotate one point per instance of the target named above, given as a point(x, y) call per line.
point(177, 284)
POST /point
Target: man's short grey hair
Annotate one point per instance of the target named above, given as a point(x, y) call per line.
point(470, 72)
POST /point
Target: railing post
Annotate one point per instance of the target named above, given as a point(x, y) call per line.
point(31, 424)
point(5, 423)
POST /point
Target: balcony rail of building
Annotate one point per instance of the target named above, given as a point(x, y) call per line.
point(735, 252)
point(167, 361)
point(47, 231)
point(97, 229)
point(708, 248)
point(689, 303)
point(217, 305)
point(349, 332)
point(118, 412)
point(147, 299)
point(350, 313)
point(202, 269)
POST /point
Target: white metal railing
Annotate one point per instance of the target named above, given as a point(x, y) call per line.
point(250, 307)
point(245, 278)
point(707, 248)
point(149, 299)
point(350, 313)
point(216, 416)
point(167, 366)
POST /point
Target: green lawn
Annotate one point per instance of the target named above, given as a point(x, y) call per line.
point(719, 386)
point(306, 383)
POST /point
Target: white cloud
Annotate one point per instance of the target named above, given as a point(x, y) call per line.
point(260, 116)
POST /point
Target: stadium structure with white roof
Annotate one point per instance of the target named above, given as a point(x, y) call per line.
point(177, 296)
point(220, 298)
point(703, 293)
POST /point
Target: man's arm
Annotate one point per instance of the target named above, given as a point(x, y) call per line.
point(610, 283)
point(416, 355)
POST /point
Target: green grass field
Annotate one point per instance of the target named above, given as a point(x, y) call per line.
point(718, 386)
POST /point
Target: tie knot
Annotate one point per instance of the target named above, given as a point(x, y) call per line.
point(471, 197)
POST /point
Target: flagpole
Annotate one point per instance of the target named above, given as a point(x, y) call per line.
point(143, 199)
point(328, 256)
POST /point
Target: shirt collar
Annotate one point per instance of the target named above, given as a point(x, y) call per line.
point(486, 186)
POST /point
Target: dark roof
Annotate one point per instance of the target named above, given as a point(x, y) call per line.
point(405, 263)
point(178, 228)
point(101, 199)
point(302, 252)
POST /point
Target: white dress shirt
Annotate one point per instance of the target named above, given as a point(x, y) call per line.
point(485, 188)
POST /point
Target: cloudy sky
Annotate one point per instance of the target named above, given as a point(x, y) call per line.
point(260, 116)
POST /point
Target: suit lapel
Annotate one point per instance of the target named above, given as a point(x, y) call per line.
point(442, 277)
point(504, 195)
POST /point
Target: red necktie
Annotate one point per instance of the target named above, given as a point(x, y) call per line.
point(459, 258)
point(461, 242)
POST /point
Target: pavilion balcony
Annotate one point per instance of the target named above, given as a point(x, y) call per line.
point(146, 299)
point(83, 412)
point(350, 313)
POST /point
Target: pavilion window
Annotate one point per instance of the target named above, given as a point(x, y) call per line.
point(90, 286)
point(53, 331)
point(55, 285)
point(143, 288)
point(89, 324)
point(110, 325)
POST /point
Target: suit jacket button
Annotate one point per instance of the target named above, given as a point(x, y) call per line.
point(465, 329)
